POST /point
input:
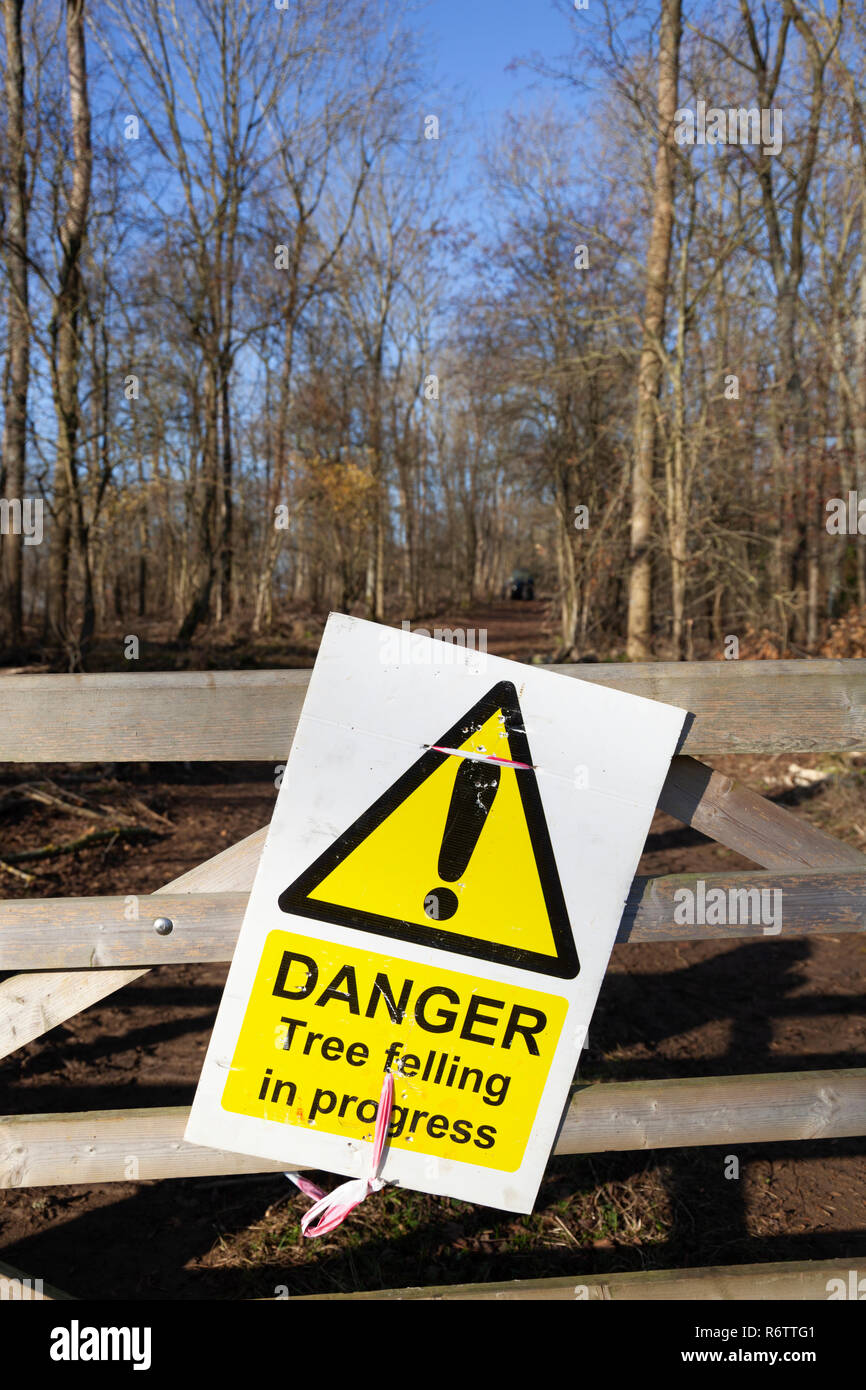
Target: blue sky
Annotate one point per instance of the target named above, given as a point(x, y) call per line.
point(474, 41)
point(467, 49)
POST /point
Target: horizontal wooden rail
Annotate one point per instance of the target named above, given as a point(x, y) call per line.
point(94, 933)
point(16, 1286)
point(123, 1145)
point(738, 707)
point(33, 1002)
point(793, 1279)
point(810, 902)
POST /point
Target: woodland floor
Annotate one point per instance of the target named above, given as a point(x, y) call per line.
point(669, 1010)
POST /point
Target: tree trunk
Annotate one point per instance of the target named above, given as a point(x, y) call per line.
point(650, 369)
point(375, 587)
point(204, 562)
point(17, 316)
point(65, 345)
point(567, 570)
point(859, 430)
point(226, 507)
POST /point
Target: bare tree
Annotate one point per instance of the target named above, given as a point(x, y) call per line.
point(64, 331)
point(650, 370)
point(17, 312)
point(339, 115)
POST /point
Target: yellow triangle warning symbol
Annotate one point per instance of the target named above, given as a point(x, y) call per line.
point(455, 855)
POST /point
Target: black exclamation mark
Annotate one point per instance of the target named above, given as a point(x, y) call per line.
point(475, 788)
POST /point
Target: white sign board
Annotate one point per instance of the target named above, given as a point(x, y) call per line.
point(446, 868)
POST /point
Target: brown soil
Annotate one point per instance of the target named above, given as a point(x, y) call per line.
point(691, 1009)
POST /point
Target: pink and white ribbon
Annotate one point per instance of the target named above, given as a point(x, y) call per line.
point(308, 1188)
point(348, 1195)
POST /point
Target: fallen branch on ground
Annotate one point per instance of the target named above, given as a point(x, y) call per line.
point(48, 793)
point(94, 837)
point(18, 873)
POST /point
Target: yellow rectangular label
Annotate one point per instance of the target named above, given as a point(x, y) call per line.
point(470, 1056)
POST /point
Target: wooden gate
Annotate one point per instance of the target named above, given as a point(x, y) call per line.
point(67, 953)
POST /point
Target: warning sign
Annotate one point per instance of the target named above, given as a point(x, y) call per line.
point(451, 849)
point(456, 854)
point(324, 1022)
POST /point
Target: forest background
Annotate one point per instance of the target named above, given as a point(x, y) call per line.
point(284, 334)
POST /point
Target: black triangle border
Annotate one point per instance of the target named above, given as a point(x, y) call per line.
point(564, 965)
